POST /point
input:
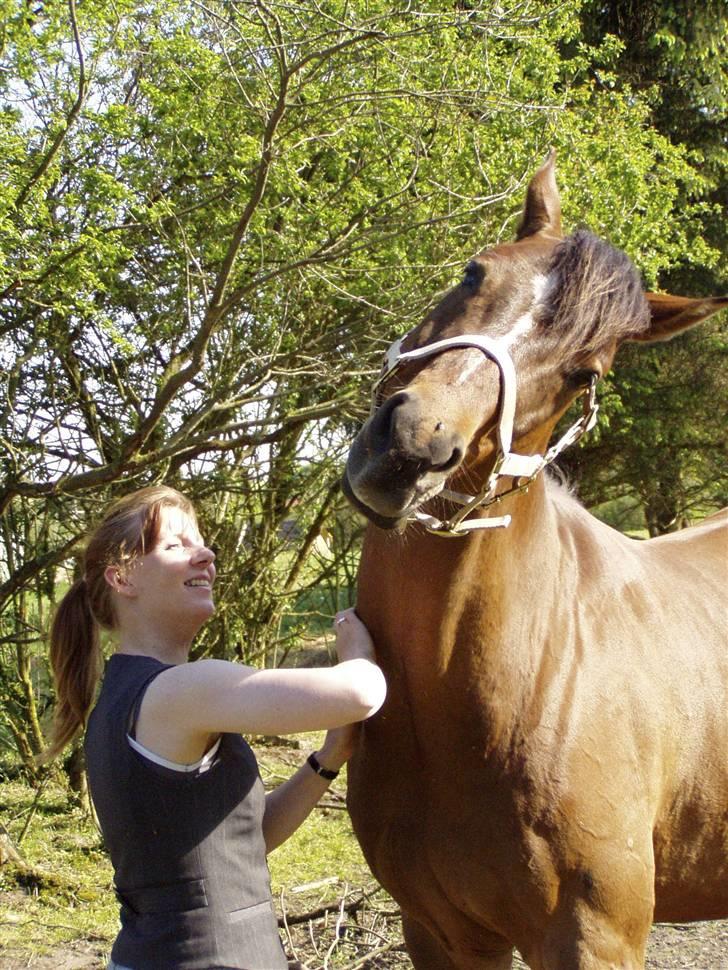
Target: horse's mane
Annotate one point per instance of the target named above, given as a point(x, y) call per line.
point(595, 294)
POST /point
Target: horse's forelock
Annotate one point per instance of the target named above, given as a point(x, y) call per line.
point(595, 294)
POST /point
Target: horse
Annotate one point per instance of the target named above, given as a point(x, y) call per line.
point(548, 770)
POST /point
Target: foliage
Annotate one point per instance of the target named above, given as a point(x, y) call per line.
point(667, 406)
point(213, 217)
point(661, 437)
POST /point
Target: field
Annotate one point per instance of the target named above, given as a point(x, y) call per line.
point(58, 910)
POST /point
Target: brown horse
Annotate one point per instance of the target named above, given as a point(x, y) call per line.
point(549, 769)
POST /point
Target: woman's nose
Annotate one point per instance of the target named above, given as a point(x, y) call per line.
point(204, 554)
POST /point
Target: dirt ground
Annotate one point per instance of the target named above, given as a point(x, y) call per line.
point(696, 946)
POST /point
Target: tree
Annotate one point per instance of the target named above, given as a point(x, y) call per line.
point(667, 406)
point(213, 218)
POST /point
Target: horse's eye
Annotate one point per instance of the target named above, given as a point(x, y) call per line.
point(582, 377)
point(473, 276)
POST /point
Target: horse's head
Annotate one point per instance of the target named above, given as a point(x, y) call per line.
point(552, 310)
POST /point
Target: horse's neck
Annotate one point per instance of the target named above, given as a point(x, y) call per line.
point(465, 627)
point(423, 593)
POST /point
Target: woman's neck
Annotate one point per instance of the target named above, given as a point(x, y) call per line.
point(162, 648)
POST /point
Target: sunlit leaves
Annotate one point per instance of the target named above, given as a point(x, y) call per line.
point(213, 218)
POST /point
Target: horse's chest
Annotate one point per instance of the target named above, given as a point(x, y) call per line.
point(434, 823)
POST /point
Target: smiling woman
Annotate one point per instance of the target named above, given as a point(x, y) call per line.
point(163, 595)
point(176, 788)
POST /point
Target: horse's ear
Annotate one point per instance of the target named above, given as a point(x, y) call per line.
point(542, 212)
point(670, 315)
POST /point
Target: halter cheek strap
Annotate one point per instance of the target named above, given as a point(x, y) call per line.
point(521, 468)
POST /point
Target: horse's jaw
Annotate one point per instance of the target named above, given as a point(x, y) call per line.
point(388, 523)
point(390, 509)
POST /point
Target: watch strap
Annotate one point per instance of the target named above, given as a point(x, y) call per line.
point(326, 773)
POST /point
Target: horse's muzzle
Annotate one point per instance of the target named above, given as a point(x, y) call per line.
point(381, 521)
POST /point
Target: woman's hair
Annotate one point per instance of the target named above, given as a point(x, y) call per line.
point(130, 528)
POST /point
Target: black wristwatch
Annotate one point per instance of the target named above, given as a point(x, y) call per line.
point(326, 773)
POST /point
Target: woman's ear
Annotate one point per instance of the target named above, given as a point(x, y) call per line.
point(117, 579)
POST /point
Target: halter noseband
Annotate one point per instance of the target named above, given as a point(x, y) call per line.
point(522, 469)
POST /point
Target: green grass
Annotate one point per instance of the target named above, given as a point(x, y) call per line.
point(72, 898)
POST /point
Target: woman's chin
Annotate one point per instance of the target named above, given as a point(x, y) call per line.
point(209, 611)
point(197, 616)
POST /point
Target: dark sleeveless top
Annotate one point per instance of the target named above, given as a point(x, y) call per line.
point(187, 848)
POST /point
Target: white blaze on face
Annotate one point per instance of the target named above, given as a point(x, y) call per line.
point(521, 327)
point(476, 359)
point(525, 322)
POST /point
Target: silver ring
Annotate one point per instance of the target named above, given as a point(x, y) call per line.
point(342, 619)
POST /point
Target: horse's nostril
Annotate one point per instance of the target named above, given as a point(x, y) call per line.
point(381, 426)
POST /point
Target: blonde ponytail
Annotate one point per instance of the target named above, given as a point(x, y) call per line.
point(76, 663)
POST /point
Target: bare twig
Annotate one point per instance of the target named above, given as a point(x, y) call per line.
point(372, 955)
point(341, 907)
point(337, 929)
point(33, 808)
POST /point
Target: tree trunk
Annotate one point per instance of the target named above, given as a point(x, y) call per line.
point(662, 506)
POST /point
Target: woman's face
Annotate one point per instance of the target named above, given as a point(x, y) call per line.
point(174, 580)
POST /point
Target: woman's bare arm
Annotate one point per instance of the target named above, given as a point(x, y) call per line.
point(187, 705)
point(288, 805)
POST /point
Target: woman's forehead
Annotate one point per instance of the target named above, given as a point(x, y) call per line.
point(176, 522)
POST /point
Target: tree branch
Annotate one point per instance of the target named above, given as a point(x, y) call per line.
point(216, 308)
point(32, 567)
point(72, 115)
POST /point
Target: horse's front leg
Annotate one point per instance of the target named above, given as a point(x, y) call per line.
point(585, 938)
point(427, 953)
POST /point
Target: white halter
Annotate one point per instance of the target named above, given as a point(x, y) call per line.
point(521, 468)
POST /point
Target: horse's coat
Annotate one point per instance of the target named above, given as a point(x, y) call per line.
point(549, 769)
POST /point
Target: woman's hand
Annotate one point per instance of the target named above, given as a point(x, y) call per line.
point(353, 642)
point(339, 745)
point(352, 638)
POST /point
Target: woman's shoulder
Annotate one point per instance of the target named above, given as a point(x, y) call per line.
point(207, 672)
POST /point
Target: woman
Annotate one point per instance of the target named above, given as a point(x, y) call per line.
point(176, 788)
